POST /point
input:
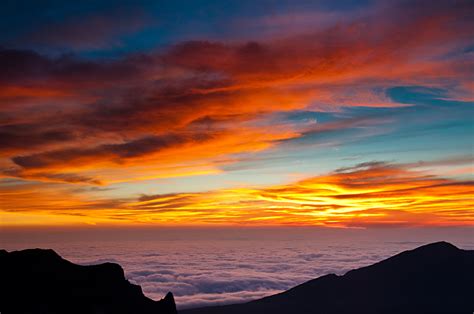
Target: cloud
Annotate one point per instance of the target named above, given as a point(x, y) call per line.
point(243, 274)
point(117, 153)
point(370, 194)
point(26, 72)
point(51, 176)
point(18, 137)
point(95, 114)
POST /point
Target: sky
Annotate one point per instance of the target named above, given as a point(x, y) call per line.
point(347, 114)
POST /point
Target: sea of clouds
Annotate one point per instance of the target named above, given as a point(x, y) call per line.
point(209, 267)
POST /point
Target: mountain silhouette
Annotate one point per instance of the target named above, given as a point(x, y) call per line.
point(40, 281)
point(435, 278)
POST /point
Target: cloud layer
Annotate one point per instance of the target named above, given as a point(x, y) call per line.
point(374, 193)
point(217, 266)
point(368, 194)
point(202, 101)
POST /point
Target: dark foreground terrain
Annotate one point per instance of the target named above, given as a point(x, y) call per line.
point(40, 281)
point(435, 278)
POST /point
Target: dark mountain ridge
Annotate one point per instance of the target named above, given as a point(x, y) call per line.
point(435, 278)
point(40, 281)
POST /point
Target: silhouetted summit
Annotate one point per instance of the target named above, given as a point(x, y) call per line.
point(435, 278)
point(40, 281)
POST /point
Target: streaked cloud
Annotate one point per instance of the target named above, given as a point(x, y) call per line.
point(368, 194)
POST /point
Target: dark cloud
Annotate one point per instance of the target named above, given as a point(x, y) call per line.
point(27, 66)
point(51, 176)
point(363, 165)
point(112, 152)
point(20, 137)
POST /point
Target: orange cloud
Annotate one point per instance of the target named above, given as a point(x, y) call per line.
point(39, 204)
point(147, 158)
point(370, 194)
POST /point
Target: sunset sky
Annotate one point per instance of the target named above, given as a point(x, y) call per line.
point(191, 113)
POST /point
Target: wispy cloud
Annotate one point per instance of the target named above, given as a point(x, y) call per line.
point(374, 193)
point(223, 92)
point(368, 194)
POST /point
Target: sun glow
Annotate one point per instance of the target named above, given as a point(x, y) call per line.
point(381, 194)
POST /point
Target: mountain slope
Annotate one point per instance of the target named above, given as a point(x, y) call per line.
point(435, 278)
point(40, 281)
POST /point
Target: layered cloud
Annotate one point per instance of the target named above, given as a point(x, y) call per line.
point(200, 102)
point(368, 194)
